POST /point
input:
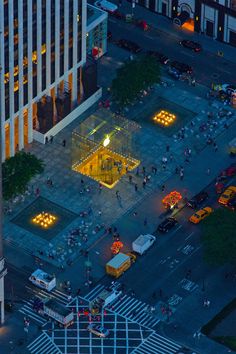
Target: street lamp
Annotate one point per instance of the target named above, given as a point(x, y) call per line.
point(2, 261)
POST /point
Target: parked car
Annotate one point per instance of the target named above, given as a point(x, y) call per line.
point(174, 72)
point(98, 330)
point(194, 46)
point(106, 6)
point(167, 225)
point(227, 195)
point(197, 199)
point(181, 67)
point(160, 57)
point(129, 45)
point(200, 215)
point(232, 203)
point(228, 172)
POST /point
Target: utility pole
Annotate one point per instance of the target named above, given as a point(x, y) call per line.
point(3, 270)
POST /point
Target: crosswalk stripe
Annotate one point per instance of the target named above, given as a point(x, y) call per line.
point(29, 314)
point(156, 344)
point(42, 345)
point(94, 292)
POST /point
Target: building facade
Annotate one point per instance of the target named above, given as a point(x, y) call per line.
point(44, 71)
point(215, 18)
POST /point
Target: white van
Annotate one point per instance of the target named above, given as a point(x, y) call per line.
point(106, 6)
point(43, 280)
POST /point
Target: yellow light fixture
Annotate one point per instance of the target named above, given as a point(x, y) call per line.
point(164, 118)
point(106, 141)
point(44, 219)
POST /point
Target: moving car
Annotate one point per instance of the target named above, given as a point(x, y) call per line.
point(174, 73)
point(181, 67)
point(160, 57)
point(143, 243)
point(227, 195)
point(106, 6)
point(167, 225)
point(200, 215)
point(129, 45)
point(194, 46)
point(98, 330)
point(232, 203)
point(197, 199)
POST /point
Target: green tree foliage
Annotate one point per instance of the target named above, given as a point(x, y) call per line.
point(134, 76)
point(18, 171)
point(219, 237)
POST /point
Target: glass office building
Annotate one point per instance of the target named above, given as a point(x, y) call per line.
point(43, 69)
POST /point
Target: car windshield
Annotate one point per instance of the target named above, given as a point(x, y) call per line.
point(196, 216)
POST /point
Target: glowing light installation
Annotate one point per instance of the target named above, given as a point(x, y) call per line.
point(44, 219)
point(164, 118)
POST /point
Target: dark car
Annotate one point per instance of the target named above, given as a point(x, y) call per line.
point(167, 224)
point(232, 203)
point(160, 57)
point(181, 67)
point(174, 73)
point(197, 199)
point(194, 46)
point(129, 45)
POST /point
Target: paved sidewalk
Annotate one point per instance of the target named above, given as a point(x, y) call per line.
point(165, 25)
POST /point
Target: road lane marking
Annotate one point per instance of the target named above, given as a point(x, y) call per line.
point(189, 236)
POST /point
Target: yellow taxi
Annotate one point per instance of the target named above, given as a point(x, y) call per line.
point(227, 195)
point(200, 215)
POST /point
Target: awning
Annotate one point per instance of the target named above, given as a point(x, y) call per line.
point(181, 18)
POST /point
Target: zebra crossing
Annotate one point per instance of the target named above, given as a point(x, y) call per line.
point(43, 344)
point(128, 307)
point(156, 344)
point(27, 308)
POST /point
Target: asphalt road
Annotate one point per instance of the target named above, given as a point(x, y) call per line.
point(207, 67)
point(165, 265)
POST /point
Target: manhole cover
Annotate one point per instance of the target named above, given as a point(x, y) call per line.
point(215, 76)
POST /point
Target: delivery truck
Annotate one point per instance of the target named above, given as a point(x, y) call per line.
point(143, 243)
point(43, 280)
point(52, 309)
point(118, 265)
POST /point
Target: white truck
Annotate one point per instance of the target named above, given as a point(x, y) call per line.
point(53, 310)
point(43, 280)
point(143, 243)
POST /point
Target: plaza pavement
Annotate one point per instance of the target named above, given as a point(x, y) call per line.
point(150, 148)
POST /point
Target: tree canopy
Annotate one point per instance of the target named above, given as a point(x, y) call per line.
point(219, 237)
point(134, 76)
point(17, 171)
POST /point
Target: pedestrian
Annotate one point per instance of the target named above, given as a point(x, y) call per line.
point(171, 157)
point(99, 212)
point(51, 139)
point(163, 188)
point(117, 194)
point(208, 171)
point(144, 171)
point(130, 179)
point(136, 187)
point(155, 170)
point(137, 171)
point(135, 213)
point(64, 143)
point(144, 184)
point(46, 140)
point(167, 148)
point(82, 182)
point(145, 222)
point(216, 148)
point(181, 175)
point(100, 187)
point(176, 170)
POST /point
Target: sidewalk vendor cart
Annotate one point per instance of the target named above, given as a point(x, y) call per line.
point(171, 200)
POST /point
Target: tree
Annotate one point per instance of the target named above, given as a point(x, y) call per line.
point(134, 76)
point(219, 237)
point(18, 171)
